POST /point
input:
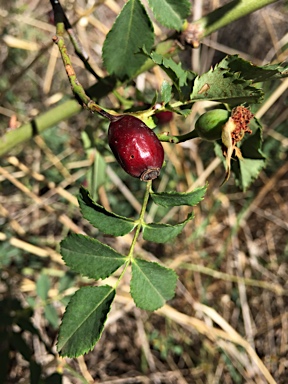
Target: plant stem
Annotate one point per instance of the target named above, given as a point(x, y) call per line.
point(179, 138)
point(77, 88)
point(221, 17)
point(63, 23)
point(140, 220)
point(39, 124)
point(137, 232)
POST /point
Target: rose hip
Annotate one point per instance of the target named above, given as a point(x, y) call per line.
point(136, 147)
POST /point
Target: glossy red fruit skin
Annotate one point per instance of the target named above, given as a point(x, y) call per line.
point(164, 117)
point(136, 147)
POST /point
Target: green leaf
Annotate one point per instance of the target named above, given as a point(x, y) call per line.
point(251, 147)
point(151, 284)
point(84, 320)
point(221, 84)
point(43, 286)
point(166, 92)
point(66, 281)
point(131, 31)
point(252, 72)
point(161, 233)
point(105, 221)
point(90, 257)
point(181, 78)
point(170, 13)
point(172, 199)
point(174, 70)
point(250, 169)
point(246, 170)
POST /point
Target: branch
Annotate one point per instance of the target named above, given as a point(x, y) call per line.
point(235, 10)
point(202, 28)
point(71, 107)
point(39, 124)
point(61, 17)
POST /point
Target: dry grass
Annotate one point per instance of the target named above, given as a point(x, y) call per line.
point(228, 322)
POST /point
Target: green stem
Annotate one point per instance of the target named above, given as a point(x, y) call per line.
point(221, 17)
point(77, 88)
point(141, 219)
point(60, 16)
point(179, 138)
point(38, 125)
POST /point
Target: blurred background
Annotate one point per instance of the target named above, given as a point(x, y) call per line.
point(231, 299)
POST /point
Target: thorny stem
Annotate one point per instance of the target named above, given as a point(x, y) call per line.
point(60, 17)
point(77, 88)
point(62, 24)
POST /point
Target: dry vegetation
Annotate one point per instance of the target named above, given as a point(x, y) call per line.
point(228, 322)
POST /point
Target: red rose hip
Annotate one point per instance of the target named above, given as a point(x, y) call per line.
point(136, 147)
point(163, 117)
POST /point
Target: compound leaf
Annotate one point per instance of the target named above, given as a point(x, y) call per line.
point(84, 320)
point(151, 284)
point(108, 222)
point(131, 31)
point(171, 199)
point(170, 13)
point(90, 257)
point(161, 233)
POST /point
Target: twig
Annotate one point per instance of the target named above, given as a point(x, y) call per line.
point(61, 17)
point(77, 88)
